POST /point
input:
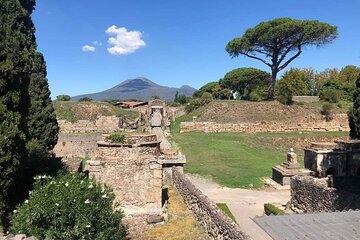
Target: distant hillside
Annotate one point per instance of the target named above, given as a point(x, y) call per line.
point(138, 88)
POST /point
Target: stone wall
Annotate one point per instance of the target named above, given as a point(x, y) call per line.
point(339, 123)
point(209, 216)
point(71, 146)
point(310, 194)
point(101, 124)
point(134, 173)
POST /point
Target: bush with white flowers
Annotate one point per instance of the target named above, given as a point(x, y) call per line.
point(69, 207)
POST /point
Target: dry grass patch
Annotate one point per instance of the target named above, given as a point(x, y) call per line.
point(181, 224)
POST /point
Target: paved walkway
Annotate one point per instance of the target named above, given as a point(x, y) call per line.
point(161, 137)
point(244, 204)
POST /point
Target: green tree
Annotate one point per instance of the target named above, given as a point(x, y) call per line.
point(277, 39)
point(17, 48)
point(41, 120)
point(354, 113)
point(63, 98)
point(210, 87)
point(244, 80)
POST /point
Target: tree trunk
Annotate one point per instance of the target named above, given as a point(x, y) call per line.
point(271, 90)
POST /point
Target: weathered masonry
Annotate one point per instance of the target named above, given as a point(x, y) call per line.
point(136, 171)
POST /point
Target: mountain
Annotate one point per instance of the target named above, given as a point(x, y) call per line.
point(138, 88)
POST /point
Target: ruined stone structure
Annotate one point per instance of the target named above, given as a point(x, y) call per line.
point(217, 224)
point(309, 194)
point(136, 171)
point(282, 173)
point(339, 123)
point(341, 158)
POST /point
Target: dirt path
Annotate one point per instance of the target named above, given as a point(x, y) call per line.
point(244, 204)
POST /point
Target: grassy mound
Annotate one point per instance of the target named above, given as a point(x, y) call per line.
point(74, 111)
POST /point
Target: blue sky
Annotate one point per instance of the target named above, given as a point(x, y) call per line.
point(173, 42)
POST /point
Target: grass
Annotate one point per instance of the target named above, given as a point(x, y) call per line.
point(226, 210)
point(74, 111)
point(241, 159)
point(181, 224)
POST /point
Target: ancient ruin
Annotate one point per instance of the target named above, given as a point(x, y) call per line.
point(283, 173)
point(136, 171)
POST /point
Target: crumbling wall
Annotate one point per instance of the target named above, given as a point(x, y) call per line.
point(134, 174)
point(309, 194)
point(208, 215)
point(70, 146)
point(339, 123)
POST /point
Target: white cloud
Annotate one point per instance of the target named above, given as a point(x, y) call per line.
point(97, 43)
point(88, 48)
point(122, 41)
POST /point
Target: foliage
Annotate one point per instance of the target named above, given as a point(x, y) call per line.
point(69, 207)
point(244, 80)
point(41, 121)
point(258, 94)
point(224, 207)
point(63, 98)
point(284, 92)
point(180, 98)
point(271, 209)
point(332, 91)
point(326, 110)
point(194, 104)
point(354, 113)
point(215, 90)
point(277, 39)
point(300, 81)
point(116, 138)
point(206, 98)
point(85, 99)
point(17, 50)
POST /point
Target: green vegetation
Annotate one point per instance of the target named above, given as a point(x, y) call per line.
point(277, 39)
point(327, 111)
point(41, 121)
point(69, 207)
point(226, 210)
point(354, 113)
point(85, 99)
point(63, 98)
point(240, 159)
point(196, 103)
point(271, 209)
point(74, 111)
point(116, 138)
point(245, 81)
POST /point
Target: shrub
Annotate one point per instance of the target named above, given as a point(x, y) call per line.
point(271, 209)
point(330, 95)
point(326, 110)
point(194, 104)
point(116, 138)
point(63, 98)
point(206, 98)
point(85, 99)
point(69, 207)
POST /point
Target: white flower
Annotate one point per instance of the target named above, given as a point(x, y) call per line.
point(30, 192)
point(104, 196)
point(81, 182)
point(57, 204)
point(87, 226)
point(66, 184)
point(87, 201)
point(15, 211)
point(90, 186)
point(26, 201)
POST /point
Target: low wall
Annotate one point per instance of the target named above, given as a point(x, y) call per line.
point(101, 124)
point(339, 123)
point(310, 194)
point(209, 216)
